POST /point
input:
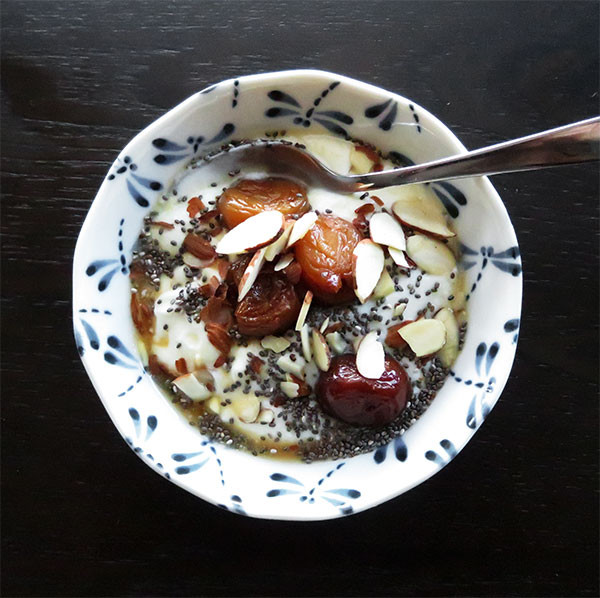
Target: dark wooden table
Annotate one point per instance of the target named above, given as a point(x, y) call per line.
point(516, 513)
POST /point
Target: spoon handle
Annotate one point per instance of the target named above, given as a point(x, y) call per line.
point(570, 144)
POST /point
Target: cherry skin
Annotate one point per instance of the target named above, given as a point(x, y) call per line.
point(344, 393)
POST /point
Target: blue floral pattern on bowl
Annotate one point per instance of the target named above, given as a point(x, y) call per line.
point(258, 486)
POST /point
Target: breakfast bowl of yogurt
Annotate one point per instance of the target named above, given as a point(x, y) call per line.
point(282, 350)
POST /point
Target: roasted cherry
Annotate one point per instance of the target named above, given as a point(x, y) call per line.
point(344, 393)
point(270, 306)
point(325, 256)
point(248, 197)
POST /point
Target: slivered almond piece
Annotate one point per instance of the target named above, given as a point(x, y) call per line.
point(193, 262)
point(424, 337)
point(266, 416)
point(370, 357)
point(321, 351)
point(305, 339)
point(192, 387)
point(251, 272)
point(304, 310)
point(283, 262)
point(336, 342)
point(386, 230)
point(289, 389)
point(399, 258)
point(214, 404)
point(399, 309)
point(277, 344)
point(385, 286)
point(253, 233)
point(367, 265)
point(324, 325)
point(301, 227)
point(448, 353)
point(423, 211)
point(246, 408)
point(275, 248)
point(431, 255)
point(290, 366)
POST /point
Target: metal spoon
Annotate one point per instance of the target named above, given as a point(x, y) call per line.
point(570, 144)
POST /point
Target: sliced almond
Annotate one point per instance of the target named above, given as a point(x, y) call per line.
point(192, 387)
point(266, 416)
point(448, 353)
point(399, 310)
point(370, 357)
point(360, 162)
point(251, 272)
point(336, 341)
point(399, 258)
point(424, 337)
point(321, 351)
point(386, 230)
point(324, 325)
point(289, 389)
point(277, 344)
point(422, 210)
point(246, 408)
point(305, 339)
point(367, 265)
point(431, 255)
point(214, 404)
point(385, 286)
point(253, 233)
point(275, 248)
point(301, 227)
point(304, 310)
point(193, 262)
point(292, 367)
point(283, 262)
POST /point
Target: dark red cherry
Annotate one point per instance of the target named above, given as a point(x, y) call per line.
point(344, 393)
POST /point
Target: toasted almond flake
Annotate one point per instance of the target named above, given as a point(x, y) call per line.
point(308, 297)
point(336, 342)
point(399, 258)
point(193, 262)
point(422, 210)
point(431, 255)
point(301, 227)
point(305, 339)
point(266, 416)
point(321, 352)
point(284, 262)
point(251, 272)
point(368, 262)
point(370, 357)
point(289, 389)
point(424, 337)
point(246, 408)
point(360, 162)
point(385, 286)
point(277, 344)
point(275, 248)
point(253, 233)
point(399, 309)
point(448, 353)
point(386, 230)
point(324, 325)
point(290, 366)
point(214, 404)
point(192, 387)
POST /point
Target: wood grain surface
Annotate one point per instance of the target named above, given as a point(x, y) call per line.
point(515, 514)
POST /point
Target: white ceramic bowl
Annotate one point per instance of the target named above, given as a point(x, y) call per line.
point(156, 431)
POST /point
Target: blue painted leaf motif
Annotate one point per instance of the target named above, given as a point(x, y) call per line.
point(209, 89)
point(400, 159)
point(377, 109)
point(226, 131)
point(347, 492)
point(168, 146)
point(91, 334)
point(336, 115)
point(441, 460)
point(480, 405)
point(79, 343)
point(331, 126)
point(400, 449)
point(137, 196)
point(185, 469)
point(450, 207)
point(98, 265)
point(513, 326)
point(386, 123)
point(280, 96)
point(281, 492)
point(380, 454)
point(457, 195)
point(166, 159)
point(115, 343)
point(148, 183)
point(179, 457)
point(274, 112)
point(280, 477)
